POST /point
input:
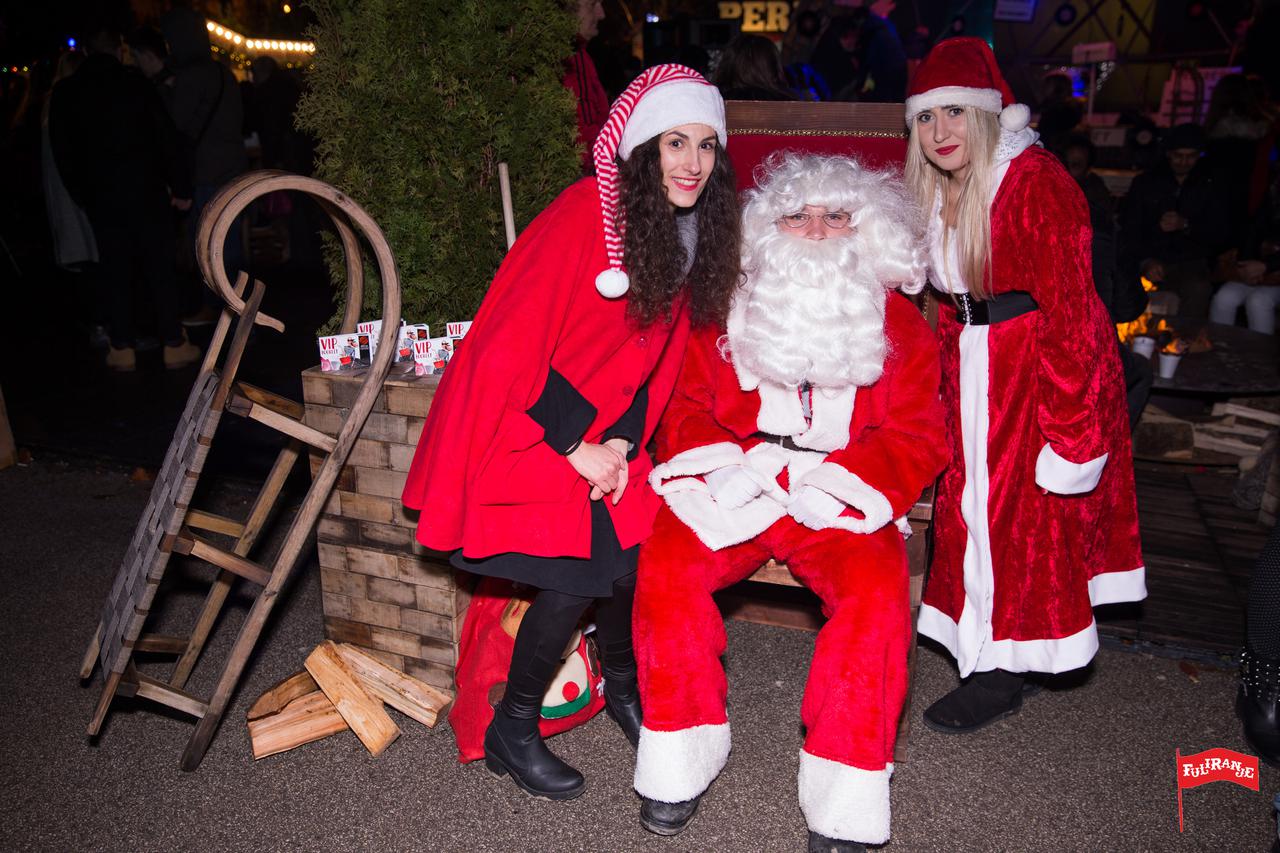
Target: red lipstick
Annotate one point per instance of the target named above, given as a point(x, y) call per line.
point(945, 150)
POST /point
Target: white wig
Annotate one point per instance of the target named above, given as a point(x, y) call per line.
point(813, 310)
point(889, 227)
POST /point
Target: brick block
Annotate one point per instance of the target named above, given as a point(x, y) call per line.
point(331, 556)
point(433, 625)
point(384, 427)
point(368, 454)
point(335, 529)
point(367, 562)
point(393, 592)
point(387, 536)
point(379, 481)
point(426, 572)
point(413, 430)
point(345, 631)
point(368, 507)
point(402, 516)
point(375, 614)
point(414, 401)
point(435, 600)
point(435, 674)
point(343, 583)
point(397, 642)
point(336, 605)
point(400, 456)
point(327, 419)
point(344, 394)
point(439, 651)
point(316, 389)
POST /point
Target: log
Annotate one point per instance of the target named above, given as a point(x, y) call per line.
point(274, 700)
point(405, 693)
point(307, 718)
point(1260, 415)
point(363, 713)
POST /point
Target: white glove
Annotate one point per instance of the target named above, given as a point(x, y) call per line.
point(732, 487)
point(814, 508)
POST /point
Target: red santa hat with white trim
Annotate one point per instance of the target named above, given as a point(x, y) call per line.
point(962, 72)
point(662, 97)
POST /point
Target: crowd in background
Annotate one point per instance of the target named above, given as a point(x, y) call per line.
point(123, 197)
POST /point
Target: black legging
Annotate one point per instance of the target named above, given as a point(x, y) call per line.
point(1264, 598)
point(545, 631)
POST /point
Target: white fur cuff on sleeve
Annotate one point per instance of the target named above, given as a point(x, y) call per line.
point(1061, 477)
point(850, 488)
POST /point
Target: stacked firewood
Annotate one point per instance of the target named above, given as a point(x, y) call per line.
point(342, 687)
point(1238, 427)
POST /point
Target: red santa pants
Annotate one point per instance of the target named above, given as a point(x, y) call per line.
point(857, 679)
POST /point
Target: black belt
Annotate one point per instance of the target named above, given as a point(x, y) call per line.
point(997, 309)
point(783, 441)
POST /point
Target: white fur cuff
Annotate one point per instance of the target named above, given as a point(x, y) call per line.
point(673, 767)
point(1067, 478)
point(850, 488)
point(844, 802)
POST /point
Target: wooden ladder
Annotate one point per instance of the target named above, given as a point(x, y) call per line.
point(169, 524)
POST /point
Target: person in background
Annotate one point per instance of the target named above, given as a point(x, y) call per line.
point(580, 77)
point(149, 53)
point(1036, 518)
point(835, 58)
point(207, 109)
point(882, 60)
point(1174, 223)
point(751, 70)
point(1256, 288)
point(1122, 296)
point(118, 154)
point(1059, 111)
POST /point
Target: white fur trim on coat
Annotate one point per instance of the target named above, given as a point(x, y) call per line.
point(987, 100)
point(674, 767)
point(832, 413)
point(852, 490)
point(678, 482)
point(1061, 477)
point(844, 802)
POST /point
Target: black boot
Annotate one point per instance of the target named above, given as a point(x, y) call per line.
point(981, 700)
point(513, 745)
point(623, 704)
point(667, 818)
point(822, 844)
point(1256, 703)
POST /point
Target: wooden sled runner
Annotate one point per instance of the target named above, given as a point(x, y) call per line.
point(168, 523)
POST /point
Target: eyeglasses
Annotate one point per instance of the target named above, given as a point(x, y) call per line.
point(831, 220)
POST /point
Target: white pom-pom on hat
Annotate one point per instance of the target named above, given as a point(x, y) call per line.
point(662, 97)
point(612, 283)
point(1015, 117)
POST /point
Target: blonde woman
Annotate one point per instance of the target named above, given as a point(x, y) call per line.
point(1036, 521)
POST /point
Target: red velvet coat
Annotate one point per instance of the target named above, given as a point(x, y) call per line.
point(482, 476)
point(1053, 377)
point(897, 443)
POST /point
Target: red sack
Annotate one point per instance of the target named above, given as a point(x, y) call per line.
point(575, 695)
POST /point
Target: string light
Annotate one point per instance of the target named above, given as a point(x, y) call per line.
point(235, 39)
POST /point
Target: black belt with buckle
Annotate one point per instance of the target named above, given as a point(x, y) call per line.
point(783, 441)
point(997, 309)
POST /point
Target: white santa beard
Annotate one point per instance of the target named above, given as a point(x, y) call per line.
point(811, 314)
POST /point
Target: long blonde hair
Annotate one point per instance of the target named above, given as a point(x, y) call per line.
point(973, 208)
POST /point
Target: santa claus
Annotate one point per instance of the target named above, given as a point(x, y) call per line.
point(801, 435)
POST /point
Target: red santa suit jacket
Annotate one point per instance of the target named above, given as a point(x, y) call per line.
point(893, 441)
point(482, 477)
point(1040, 400)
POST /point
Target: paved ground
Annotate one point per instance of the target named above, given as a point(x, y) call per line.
point(1084, 769)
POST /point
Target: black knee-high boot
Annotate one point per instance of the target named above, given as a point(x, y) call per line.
point(613, 629)
point(512, 743)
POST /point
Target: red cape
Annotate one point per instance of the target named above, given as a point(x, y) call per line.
point(482, 476)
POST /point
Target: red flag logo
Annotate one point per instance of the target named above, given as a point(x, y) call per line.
point(1214, 765)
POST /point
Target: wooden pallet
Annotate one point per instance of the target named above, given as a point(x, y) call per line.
point(168, 523)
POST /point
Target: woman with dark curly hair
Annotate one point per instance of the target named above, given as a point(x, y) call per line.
point(531, 464)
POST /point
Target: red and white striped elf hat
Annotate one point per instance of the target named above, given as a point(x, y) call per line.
point(662, 97)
